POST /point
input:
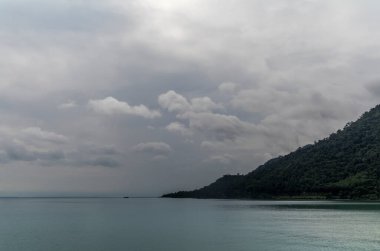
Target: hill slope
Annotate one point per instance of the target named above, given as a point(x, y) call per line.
point(346, 165)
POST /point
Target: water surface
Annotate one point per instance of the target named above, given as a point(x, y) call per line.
point(187, 224)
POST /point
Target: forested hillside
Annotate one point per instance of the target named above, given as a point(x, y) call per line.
point(346, 165)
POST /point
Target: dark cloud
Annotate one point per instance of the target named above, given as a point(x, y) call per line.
point(18, 152)
point(37, 146)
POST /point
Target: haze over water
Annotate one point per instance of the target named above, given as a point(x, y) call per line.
point(187, 224)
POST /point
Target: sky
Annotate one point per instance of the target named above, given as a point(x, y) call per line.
point(145, 97)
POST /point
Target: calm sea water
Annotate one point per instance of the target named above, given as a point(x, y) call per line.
point(186, 224)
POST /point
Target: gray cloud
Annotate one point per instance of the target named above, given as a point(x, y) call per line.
point(374, 88)
point(227, 87)
point(18, 152)
point(155, 148)
point(42, 15)
point(37, 146)
point(103, 161)
point(30, 144)
point(179, 128)
point(225, 159)
point(100, 150)
point(68, 105)
point(220, 126)
point(200, 116)
point(269, 77)
point(36, 133)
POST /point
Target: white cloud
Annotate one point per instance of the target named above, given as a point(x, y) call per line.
point(111, 106)
point(204, 104)
point(174, 102)
point(200, 116)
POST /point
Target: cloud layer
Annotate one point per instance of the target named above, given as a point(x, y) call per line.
point(146, 97)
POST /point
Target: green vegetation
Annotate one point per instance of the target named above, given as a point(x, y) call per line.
point(346, 165)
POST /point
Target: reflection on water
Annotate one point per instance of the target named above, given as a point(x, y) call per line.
point(306, 205)
point(187, 225)
point(374, 206)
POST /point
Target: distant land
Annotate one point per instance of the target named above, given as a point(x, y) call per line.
point(346, 165)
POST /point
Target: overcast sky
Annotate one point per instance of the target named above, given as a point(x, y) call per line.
point(145, 97)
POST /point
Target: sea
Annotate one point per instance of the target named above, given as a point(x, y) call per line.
point(157, 224)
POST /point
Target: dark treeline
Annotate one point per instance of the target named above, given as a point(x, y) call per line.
point(346, 165)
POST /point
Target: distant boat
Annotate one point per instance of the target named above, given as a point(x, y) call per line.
point(126, 197)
